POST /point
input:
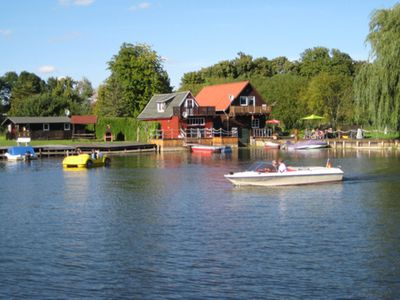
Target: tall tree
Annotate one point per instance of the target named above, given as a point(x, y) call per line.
point(283, 91)
point(136, 74)
point(331, 96)
point(27, 84)
point(320, 59)
point(7, 83)
point(377, 86)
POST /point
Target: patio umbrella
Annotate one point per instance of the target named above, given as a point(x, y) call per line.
point(312, 117)
point(273, 122)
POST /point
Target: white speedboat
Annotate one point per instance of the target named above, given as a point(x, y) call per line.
point(306, 145)
point(264, 174)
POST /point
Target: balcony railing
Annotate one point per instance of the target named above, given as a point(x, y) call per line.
point(194, 111)
point(249, 110)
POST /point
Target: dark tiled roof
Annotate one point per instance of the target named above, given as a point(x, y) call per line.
point(173, 99)
point(37, 120)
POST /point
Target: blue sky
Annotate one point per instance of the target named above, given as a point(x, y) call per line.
point(77, 38)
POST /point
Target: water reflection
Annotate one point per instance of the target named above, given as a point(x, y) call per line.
point(170, 226)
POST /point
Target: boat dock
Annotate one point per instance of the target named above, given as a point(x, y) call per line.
point(109, 148)
point(345, 143)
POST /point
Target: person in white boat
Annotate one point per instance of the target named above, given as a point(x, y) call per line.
point(282, 167)
point(275, 165)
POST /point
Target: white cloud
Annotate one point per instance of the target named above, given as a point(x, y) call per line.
point(5, 32)
point(76, 2)
point(142, 5)
point(46, 69)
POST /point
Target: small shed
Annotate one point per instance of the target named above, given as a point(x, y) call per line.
point(38, 128)
point(80, 129)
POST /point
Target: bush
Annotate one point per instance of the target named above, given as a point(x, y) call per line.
point(125, 129)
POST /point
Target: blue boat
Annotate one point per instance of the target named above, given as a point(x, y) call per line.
point(20, 153)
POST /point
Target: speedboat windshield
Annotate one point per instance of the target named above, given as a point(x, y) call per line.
point(260, 165)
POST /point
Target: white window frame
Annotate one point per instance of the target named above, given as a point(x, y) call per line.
point(46, 127)
point(161, 107)
point(255, 123)
point(196, 122)
point(67, 126)
point(189, 103)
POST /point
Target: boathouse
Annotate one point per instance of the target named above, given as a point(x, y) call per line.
point(239, 106)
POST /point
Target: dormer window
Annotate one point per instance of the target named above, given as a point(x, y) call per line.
point(189, 103)
point(161, 107)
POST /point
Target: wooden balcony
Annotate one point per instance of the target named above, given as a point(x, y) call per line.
point(249, 110)
point(204, 111)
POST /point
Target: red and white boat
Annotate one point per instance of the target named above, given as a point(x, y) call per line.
point(210, 149)
point(271, 145)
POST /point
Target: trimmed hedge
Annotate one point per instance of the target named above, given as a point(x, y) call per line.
point(125, 129)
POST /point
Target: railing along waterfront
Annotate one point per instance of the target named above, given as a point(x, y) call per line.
point(192, 133)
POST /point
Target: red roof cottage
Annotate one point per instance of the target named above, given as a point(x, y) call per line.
point(237, 105)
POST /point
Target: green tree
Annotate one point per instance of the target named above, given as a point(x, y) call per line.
point(136, 74)
point(322, 60)
point(377, 86)
point(331, 96)
point(7, 83)
point(27, 84)
point(283, 91)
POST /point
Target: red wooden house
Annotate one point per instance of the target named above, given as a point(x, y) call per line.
point(177, 113)
point(237, 105)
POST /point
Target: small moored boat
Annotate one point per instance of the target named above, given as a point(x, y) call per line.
point(264, 174)
point(20, 153)
point(306, 145)
point(85, 161)
point(210, 149)
point(272, 145)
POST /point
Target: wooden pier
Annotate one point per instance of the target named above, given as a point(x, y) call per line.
point(109, 148)
point(347, 143)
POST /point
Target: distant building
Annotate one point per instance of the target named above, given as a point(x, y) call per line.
point(38, 127)
point(49, 128)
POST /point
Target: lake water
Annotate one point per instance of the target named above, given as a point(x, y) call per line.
point(169, 226)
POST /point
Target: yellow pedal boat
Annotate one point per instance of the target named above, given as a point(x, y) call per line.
point(85, 161)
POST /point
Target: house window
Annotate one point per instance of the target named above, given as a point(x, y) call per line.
point(67, 126)
point(189, 103)
point(243, 101)
point(251, 100)
point(46, 126)
point(247, 100)
point(255, 123)
point(161, 107)
point(196, 121)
